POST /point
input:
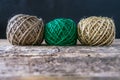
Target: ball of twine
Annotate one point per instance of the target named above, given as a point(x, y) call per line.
point(96, 31)
point(61, 32)
point(25, 30)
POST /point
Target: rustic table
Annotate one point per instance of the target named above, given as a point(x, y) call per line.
point(66, 62)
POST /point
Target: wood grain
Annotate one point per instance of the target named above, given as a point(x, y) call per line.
point(82, 61)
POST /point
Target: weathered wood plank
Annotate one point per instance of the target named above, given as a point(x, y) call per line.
point(59, 60)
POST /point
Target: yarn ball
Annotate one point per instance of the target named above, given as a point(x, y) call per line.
point(24, 29)
point(61, 32)
point(96, 31)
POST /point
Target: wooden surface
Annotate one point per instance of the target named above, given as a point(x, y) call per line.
point(24, 61)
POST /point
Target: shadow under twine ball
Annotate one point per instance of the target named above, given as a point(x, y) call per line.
point(25, 30)
point(61, 32)
point(96, 31)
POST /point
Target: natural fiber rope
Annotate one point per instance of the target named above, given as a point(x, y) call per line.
point(96, 31)
point(61, 32)
point(25, 30)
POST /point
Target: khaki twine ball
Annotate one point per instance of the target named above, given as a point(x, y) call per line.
point(96, 31)
point(25, 30)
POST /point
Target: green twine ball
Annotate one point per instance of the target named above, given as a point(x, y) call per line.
point(61, 32)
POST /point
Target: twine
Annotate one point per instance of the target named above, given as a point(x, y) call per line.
point(25, 30)
point(61, 32)
point(96, 31)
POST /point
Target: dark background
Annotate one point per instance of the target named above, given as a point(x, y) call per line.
point(50, 9)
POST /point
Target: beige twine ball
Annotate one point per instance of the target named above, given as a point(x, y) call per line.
point(25, 30)
point(96, 31)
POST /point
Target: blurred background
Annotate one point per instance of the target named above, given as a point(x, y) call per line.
point(51, 9)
